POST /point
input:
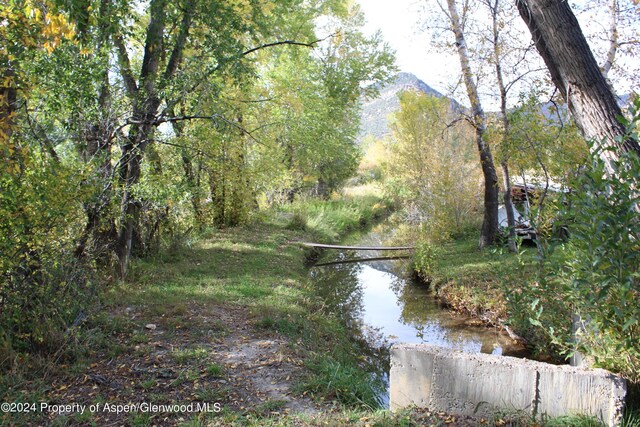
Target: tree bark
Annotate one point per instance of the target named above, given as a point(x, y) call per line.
point(575, 72)
point(98, 143)
point(494, 7)
point(145, 108)
point(614, 8)
point(490, 221)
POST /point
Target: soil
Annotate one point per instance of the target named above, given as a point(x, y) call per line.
point(218, 357)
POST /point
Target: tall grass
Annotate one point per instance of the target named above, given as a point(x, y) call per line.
point(331, 219)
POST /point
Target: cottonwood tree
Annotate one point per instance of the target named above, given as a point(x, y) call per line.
point(575, 72)
point(489, 229)
point(431, 169)
point(220, 37)
point(497, 52)
point(611, 29)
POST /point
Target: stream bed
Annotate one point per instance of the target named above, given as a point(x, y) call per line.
point(382, 305)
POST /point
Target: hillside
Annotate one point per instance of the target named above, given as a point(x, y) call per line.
point(375, 112)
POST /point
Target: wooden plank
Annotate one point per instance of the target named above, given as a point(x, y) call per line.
point(356, 260)
point(358, 248)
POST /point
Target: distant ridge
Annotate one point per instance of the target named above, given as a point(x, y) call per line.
point(375, 112)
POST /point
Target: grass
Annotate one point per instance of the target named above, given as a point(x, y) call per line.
point(185, 355)
point(332, 219)
point(473, 280)
point(258, 269)
point(215, 370)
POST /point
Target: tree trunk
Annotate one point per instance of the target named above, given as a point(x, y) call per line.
point(145, 109)
point(8, 102)
point(575, 72)
point(490, 221)
point(614, 9)
point(98, 141)
point(494, 7)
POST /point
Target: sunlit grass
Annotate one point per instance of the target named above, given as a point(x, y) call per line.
point(370, 189)
point(334, 218)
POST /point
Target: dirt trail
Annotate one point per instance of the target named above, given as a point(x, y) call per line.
point(216, 356)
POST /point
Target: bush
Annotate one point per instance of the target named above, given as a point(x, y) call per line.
point(43, 286)
point(424, 260)
point(596, 274)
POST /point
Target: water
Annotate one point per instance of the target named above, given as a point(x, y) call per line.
point(382, 305)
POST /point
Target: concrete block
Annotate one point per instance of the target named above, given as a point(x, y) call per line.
point(413, 372)
point(573, 390)
point(474, 385)
point(479, 384)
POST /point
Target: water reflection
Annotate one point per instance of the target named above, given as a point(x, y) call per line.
point(383, 306)
point(390, 308)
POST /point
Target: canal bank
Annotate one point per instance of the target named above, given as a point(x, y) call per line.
point(381, 304)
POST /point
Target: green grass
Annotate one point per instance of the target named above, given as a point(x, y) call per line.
point(338, 379)
point(215, 370)
point(474, 280)
point(257, 268)
point(332, 219)
point(185, 355)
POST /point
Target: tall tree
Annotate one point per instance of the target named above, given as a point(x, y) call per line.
point(224, 33)
point(490, 221)
point(575, 72)
point(497, 52)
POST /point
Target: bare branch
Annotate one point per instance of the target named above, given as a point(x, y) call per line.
point(171, 104)
point(284, 42)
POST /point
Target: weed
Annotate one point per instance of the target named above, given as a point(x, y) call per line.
point(215, 370)
point(266, 408)
point(184, 376)
point(345, 383)
point(139, 338)
point(140, 419)
point(212, 394)
point(148, 384)
point(573, 421)
point(186, 355)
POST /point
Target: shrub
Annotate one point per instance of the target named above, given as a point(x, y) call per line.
point(424, 260)
point(596, 274)
point(43, 286)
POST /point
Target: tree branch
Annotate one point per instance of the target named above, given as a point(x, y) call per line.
point(181, 40)
point(171, 104)
point(283, 42)
point(125, 66)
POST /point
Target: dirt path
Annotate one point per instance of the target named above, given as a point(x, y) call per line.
point(217, 357)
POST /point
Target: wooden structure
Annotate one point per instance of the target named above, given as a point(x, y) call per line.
point(358, 248)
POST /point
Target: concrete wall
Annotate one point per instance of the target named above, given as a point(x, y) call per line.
point(479, 384)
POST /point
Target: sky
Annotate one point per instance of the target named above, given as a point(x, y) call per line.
point(399, 21)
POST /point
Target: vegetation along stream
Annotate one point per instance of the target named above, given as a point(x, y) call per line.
point(382, 304)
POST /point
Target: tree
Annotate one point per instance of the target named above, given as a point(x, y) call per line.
point(497, 51)
point(575, 72)
point(610, 27)
point(89, 161)
point(489, 229)
point(166, 75)
point(431, 170)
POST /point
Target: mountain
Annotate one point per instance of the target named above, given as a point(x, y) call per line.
point(375, 112)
